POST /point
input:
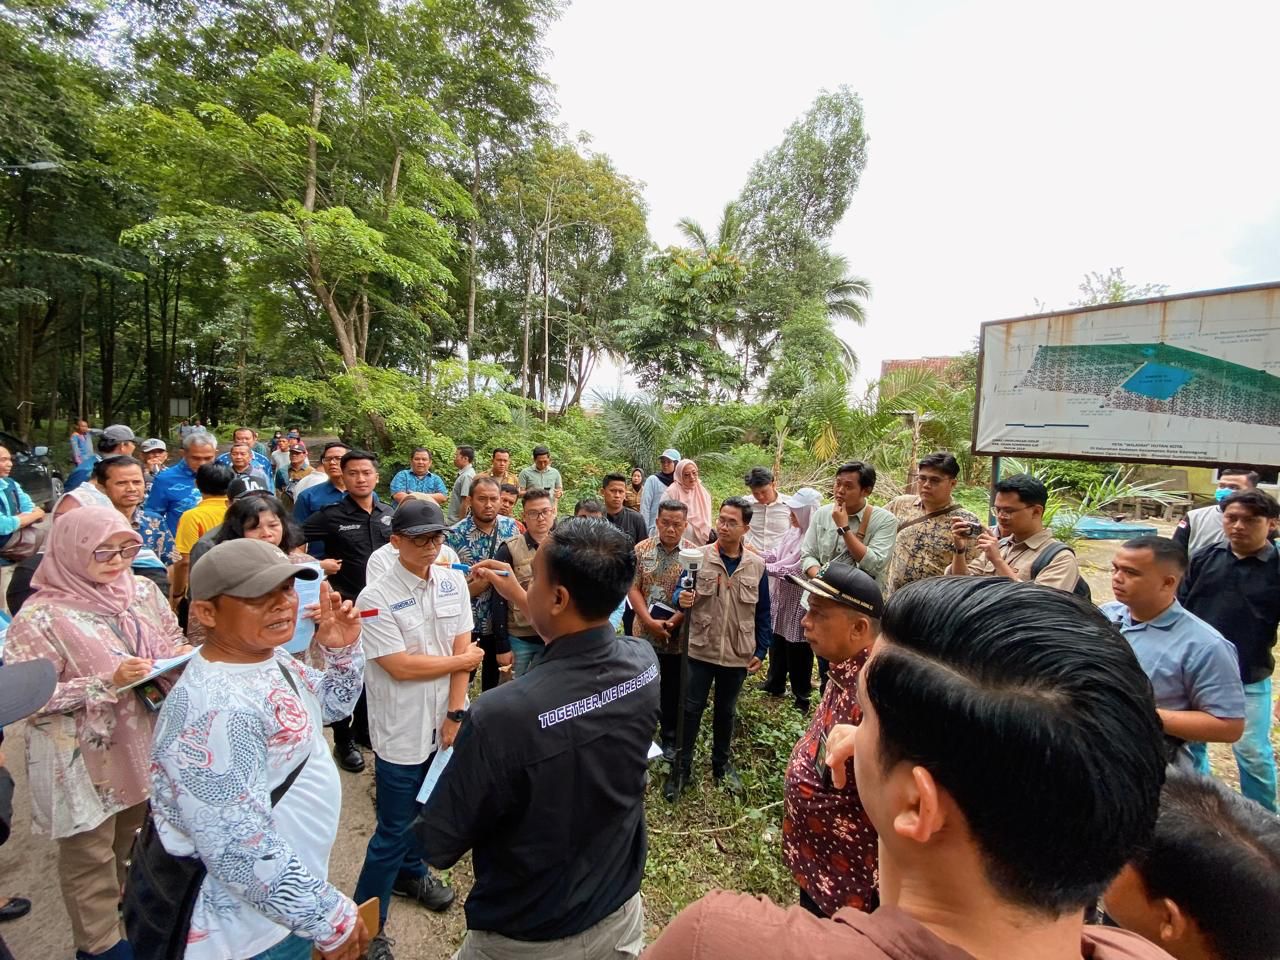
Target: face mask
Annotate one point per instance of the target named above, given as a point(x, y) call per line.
point(1222, 493)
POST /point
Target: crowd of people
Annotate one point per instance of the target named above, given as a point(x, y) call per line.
point(991, 762)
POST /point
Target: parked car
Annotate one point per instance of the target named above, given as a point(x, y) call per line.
point(33, 469)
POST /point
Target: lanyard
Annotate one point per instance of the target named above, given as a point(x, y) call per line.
point(130, 648)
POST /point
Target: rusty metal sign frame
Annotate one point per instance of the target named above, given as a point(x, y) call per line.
point(1095, 308)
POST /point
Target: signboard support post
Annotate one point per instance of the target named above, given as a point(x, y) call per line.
point(991, 496)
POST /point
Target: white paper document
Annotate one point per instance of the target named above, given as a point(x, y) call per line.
point(308, 592)
point(433, 773)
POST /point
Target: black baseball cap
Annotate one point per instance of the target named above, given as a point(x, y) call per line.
point(847, 585)
point(243, 486)
point(417, 518)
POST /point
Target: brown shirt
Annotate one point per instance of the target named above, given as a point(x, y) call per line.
point(1061, 572)
point(734, 926)
point(510, 477)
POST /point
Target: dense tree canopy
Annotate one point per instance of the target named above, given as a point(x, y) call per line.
point(343, 211)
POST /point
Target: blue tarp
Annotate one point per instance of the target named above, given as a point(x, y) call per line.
point(1100, 528)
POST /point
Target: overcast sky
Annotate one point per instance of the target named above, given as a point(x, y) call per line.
point(1013, 147)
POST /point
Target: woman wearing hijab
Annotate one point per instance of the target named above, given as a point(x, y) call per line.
point(790, 654)
point(688, 489)
point(89, 747)
point(634, 489)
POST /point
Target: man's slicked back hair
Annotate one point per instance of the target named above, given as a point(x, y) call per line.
point(594, 561)
point(1217, 856)
point(1031, 710)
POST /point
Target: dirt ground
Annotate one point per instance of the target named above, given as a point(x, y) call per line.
point(27, 862)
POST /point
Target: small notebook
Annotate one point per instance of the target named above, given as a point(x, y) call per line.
point(660, 611)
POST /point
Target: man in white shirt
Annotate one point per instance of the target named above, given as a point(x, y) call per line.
point(417, 637)
point(241, 775)
point(770, 517)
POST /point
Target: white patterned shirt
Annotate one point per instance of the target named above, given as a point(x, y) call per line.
point(229, 734)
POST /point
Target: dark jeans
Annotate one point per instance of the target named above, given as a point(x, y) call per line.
point(353, 728)
point(728, 683)
point(794, 661)
point(393, 850)
point(669, 696)
point(824, 668)
point(489, 675)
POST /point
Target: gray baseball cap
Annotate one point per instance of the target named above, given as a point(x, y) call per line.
point(245, 569)
point(152, 444)
point(25, 688)
point(119, 433)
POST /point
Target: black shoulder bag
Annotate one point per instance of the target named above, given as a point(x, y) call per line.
point(160, 889)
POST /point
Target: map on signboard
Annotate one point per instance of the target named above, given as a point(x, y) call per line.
point(1190, 379)
point(1158, 378)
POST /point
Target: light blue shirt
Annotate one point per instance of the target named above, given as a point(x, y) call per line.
point(12, 495)
point(406, 481)
point(1190, 664)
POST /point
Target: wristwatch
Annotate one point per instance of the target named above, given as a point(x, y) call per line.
point(455, 715)
point(842, 530)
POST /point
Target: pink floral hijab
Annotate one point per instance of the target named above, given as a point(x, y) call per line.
point(694, 495)
point(62, 577)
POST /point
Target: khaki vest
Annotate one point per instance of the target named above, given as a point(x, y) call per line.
point(518, 624)
point(723, 628)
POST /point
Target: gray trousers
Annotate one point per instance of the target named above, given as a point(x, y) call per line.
point(619, 936)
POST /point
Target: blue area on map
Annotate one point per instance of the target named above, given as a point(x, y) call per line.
point(1157, 381)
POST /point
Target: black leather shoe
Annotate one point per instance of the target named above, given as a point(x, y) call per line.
point(15, 908)
point(426, 890)
point(348, 757)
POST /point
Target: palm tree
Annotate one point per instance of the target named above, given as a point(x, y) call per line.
point(638, 427)
point(845, 294)
point(728, 234)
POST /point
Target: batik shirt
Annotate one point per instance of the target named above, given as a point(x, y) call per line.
point(924, 549)
point(828, 842)
point(229, 734)
point(657, 576)
point(473, 545)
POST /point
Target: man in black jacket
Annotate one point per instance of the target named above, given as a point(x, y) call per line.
point(546, 783)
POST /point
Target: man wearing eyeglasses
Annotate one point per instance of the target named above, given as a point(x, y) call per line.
point(924, 546)
point(328, 487)
point(1019, 506)
point(417, 638)
point(511, 623)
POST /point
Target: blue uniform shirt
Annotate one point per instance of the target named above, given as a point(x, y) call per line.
point(1191, 665)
